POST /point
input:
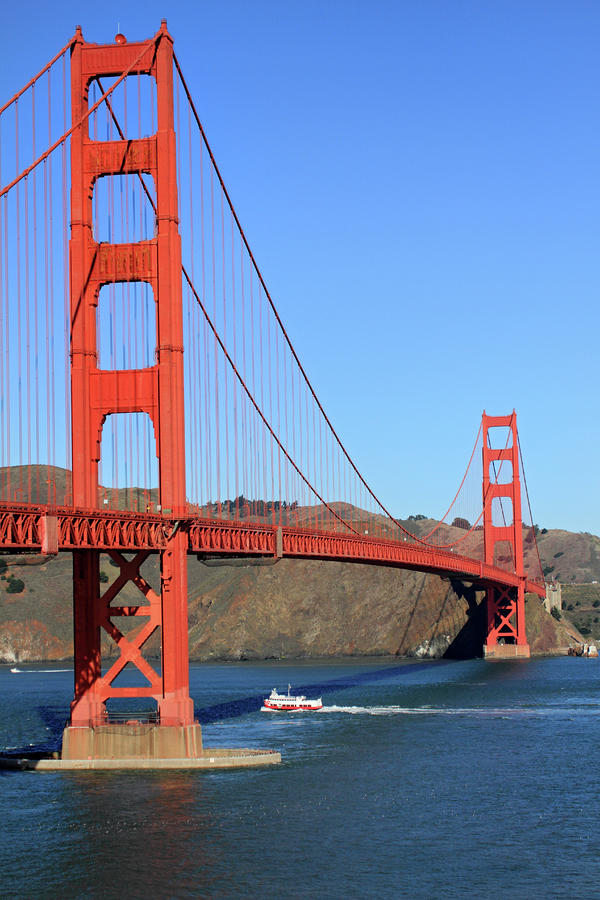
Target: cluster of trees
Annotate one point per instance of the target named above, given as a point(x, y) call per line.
point(461, 523)
point(13, 585)
point(245, 508)
point(458, 522)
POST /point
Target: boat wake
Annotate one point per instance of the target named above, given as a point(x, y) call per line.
point(396, 710)
point(401, 711)
point(475, 712)
point(17, 671)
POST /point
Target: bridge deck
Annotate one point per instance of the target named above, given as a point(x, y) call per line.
point(51, 530)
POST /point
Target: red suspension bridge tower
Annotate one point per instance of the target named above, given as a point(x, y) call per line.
point(505, 634)
point(156, 390)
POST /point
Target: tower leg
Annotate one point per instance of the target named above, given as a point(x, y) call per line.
point(506, 637)
point(176, 706)
point(87, 707)
point(91, 734)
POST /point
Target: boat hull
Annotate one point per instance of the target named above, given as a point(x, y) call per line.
point(290, 702)
point(291, 707)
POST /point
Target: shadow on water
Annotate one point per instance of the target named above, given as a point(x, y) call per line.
point(45, 748)
point(245, 705)
point(54, 719)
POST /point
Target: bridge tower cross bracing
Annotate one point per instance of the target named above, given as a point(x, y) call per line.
point(505, 635)
point(156, 390)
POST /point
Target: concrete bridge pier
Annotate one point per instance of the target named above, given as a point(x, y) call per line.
point(506, 651)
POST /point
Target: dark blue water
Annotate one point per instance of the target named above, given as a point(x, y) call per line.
point(461, 779)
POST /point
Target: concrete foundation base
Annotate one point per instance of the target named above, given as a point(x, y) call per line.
point(134, 740)
point(506, 651)
point(136, 745)
point(210, 759)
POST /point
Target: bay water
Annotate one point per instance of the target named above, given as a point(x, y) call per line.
point(417, 779)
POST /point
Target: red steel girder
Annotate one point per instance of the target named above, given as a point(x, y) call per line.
point(21, 529)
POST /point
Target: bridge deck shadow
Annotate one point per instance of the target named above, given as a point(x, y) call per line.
point(54, 720)
point(244, 705)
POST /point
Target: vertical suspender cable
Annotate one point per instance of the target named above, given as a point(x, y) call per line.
point(27, 342)
point(216, 349)
point(66, 317)
point(263, 484)
point(3, 299)
point(192, 337)
point(253, 447)
point(36, 373)
point(270, 380)
point(235, 408)
point(207, 440)
point(280, 399)
point(244, 424)
point(225, 369)
point(7, 355)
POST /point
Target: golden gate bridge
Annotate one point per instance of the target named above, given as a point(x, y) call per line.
point(152, 401)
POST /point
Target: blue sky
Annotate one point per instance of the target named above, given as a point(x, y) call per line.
point(419, 183)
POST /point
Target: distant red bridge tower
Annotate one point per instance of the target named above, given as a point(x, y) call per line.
point(505, 605)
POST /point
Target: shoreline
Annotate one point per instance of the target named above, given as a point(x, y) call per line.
point(299, 660)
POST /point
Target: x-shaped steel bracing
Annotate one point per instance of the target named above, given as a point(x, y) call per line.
point(130, 647)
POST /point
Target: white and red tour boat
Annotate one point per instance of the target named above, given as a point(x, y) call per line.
point(286, 702)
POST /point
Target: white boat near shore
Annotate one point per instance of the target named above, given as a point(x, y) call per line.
point(287, 702)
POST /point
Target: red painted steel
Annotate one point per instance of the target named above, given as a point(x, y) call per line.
point(156, 390)
point(21, 529)
point(505, 605)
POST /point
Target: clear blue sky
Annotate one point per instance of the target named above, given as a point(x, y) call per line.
point(420, 185)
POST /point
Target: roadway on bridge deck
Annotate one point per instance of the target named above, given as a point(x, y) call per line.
point(51, 530)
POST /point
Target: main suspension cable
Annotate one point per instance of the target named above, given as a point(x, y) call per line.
point(537, 549)
point(35, 78)
point(83, 118)
point(256, 406)
point(276, 314)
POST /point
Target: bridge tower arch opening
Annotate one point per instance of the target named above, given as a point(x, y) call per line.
point(503, 538)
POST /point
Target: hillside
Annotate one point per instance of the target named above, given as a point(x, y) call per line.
point(581, 606)
point(249, 609)
point(291, 609)
point(571, 558)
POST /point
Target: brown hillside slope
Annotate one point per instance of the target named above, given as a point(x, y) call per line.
point(568, 556)
point(291, 609)
point(294, 608)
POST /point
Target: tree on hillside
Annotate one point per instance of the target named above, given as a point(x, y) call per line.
point(15, 585)
point(461, 523)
